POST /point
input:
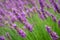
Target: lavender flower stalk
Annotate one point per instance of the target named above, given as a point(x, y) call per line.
point(48, 13)
point(29, 26)
point(21, 32)
point(58, 23)
point(54, 18)
point(53, 35)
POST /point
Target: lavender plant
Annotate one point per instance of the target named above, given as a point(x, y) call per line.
point(29, 20)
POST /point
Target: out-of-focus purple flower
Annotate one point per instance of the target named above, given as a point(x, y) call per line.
point(1, 21)
point(1, 24)
point(58, 23)
point(1, 5)
point(2, 12)
point(12, 17)
point(31, 2)
point(41, 3)
point(47, 5)
point(14, 25)
point(48, 13)
point(40, 14)
point(53, 35)
point(23, 16)
point(48, 29)
point(54, 18)
point(29, 11)
point(59, 2)
point(2, 38)
point(21, 32)
point(55, 6)
point(51, 1)
point(28, 26)
point(43, 13)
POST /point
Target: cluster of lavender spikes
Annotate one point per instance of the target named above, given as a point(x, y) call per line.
point(12, 11)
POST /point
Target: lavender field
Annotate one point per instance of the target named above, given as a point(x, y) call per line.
point(29, 19)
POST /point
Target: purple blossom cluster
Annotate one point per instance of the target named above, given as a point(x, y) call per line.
point(12, 11)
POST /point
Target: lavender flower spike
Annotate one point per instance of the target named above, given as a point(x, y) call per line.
point(58, 23)
point(21, 32)
point(53, 18)
point(41, 3)
point(2, 38)
point(28, 26)
point(53, 35)
point(48, 29)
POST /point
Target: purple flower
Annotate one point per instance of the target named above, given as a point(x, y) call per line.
point(55, 6)
point(21, 32)
point(41, 3)
point(28, 26)
point(2, 12)
point(53, 18)
point(58, 23)
point(48, 13)
point(48, 29)
point(13, 19)
point(1, 5)
point(23, 16)
point(47, 5)
point(59, 2)
point(14, 25)
point(2, 38)
point(53, 35)
point(42, 16)
point(31, 2)
point(1, 19)
point(1, 24)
